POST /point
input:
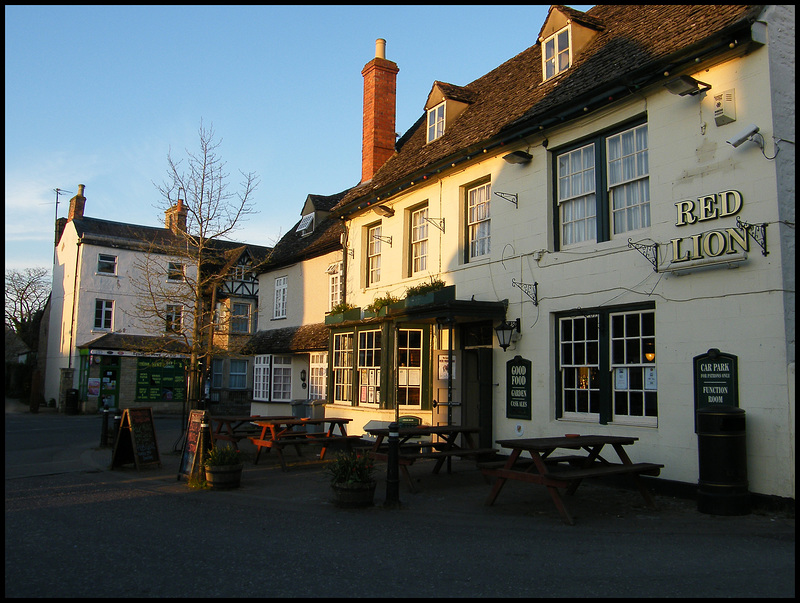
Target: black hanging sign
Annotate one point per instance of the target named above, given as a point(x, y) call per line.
point(136, 439)
point(196, 430)
point(716, 380)
point(518, 388)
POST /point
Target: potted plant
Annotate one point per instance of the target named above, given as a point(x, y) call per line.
point(223, 467)
point(379, 305)
point(352, 479)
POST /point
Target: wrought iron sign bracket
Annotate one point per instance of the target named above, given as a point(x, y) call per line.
point(758, 232)
point(510, 197)
point(531, 291)
point(383, 239)
point(650, 252)
point(437, 222)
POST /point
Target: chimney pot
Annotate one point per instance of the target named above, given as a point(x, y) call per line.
point(380, 48)
point(81, 187)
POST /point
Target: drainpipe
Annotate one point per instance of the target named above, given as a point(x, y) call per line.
point(343, 284)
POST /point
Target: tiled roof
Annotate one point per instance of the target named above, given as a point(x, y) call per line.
point(304, 338)
point(133, 236)
point(137, 343)
point(633, 46)
point(325, 237)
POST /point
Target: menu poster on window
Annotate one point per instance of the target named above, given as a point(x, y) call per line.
point(160, 379)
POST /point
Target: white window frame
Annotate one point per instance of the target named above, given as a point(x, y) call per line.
point(306, 225)
point(176, 272)
point(478, 200)
point(105, 307)
point(262, 366)
point(173, 318)
point(557, 53)
point(334, 272)
point(579, 354)
point(374, 254)
point(237, 379)
point(217, 367)
point(436, 121)
point(281, 379)
point(342, 369)
point(106, 260)
point(629, 333)
point(409, 369)
point(419, 240)
point(238, 320)
point(318, 376)
point(281, 287)
point(369, 367)
point(603, 187)
point(628, 167)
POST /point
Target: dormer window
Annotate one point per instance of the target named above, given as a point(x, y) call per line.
point(435, 122)
point(306, 225)
point(556, 55)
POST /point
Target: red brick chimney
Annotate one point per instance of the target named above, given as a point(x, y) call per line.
point(76, 205)
point(380, 89)
point(175, 217)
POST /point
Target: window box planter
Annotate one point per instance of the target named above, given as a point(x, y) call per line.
point(440, 296)
point(354, 314)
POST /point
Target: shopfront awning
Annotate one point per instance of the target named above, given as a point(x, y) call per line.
point(122, 344)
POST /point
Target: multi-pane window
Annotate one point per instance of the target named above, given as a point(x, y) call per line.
point(635, 386)
point(237, 378)
point(103, 314)
point(579, 358)
point(607, 367)
point(556, 53)
point(175, 271)
point(373, 255)
point(261, 369)
point(106, 264)
point(409, 367)
point(281, 285)
point(281, 378)
point(419, 240)
point(576, 195)
point(174, 318)
point(628, 181)
point(216, 373)
point(478, 220)
point(318, 377)
point(369, 367)
point(435, 122)
point(334, 285)
point(603, 187)
point(240, 318)
point(343, 368)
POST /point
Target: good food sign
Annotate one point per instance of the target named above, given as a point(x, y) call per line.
point(518, 388)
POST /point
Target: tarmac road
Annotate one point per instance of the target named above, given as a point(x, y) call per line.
point(74, 528)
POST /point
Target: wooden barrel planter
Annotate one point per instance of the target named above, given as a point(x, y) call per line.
point(353, 496)
point(224, 477)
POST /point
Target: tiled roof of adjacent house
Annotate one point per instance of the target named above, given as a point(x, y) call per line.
point(325, 237)
point(633, 47)
point(132, 236)
point(304, 338)
point(137, 343)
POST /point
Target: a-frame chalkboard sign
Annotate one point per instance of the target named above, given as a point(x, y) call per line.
point(136, 439)
point(198, 437)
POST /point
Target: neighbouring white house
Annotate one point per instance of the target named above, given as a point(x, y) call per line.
point(618, 199)
point(115, 349)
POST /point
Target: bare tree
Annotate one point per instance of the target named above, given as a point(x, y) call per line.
point(178, 276)
point(26, 294)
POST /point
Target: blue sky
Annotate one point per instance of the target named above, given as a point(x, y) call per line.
point(99, 95)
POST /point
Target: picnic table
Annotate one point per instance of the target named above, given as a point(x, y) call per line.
point(418, 443)
point(279, 432)
point(567, 472)
point(234, 428)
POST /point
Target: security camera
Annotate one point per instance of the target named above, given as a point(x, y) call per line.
point(743, 136)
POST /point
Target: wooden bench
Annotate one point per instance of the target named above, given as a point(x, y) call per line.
point(603, 470)
point(298, 439)
point(439, 454)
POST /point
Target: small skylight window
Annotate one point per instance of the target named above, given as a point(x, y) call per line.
point(305, 223)
point(556, 55)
